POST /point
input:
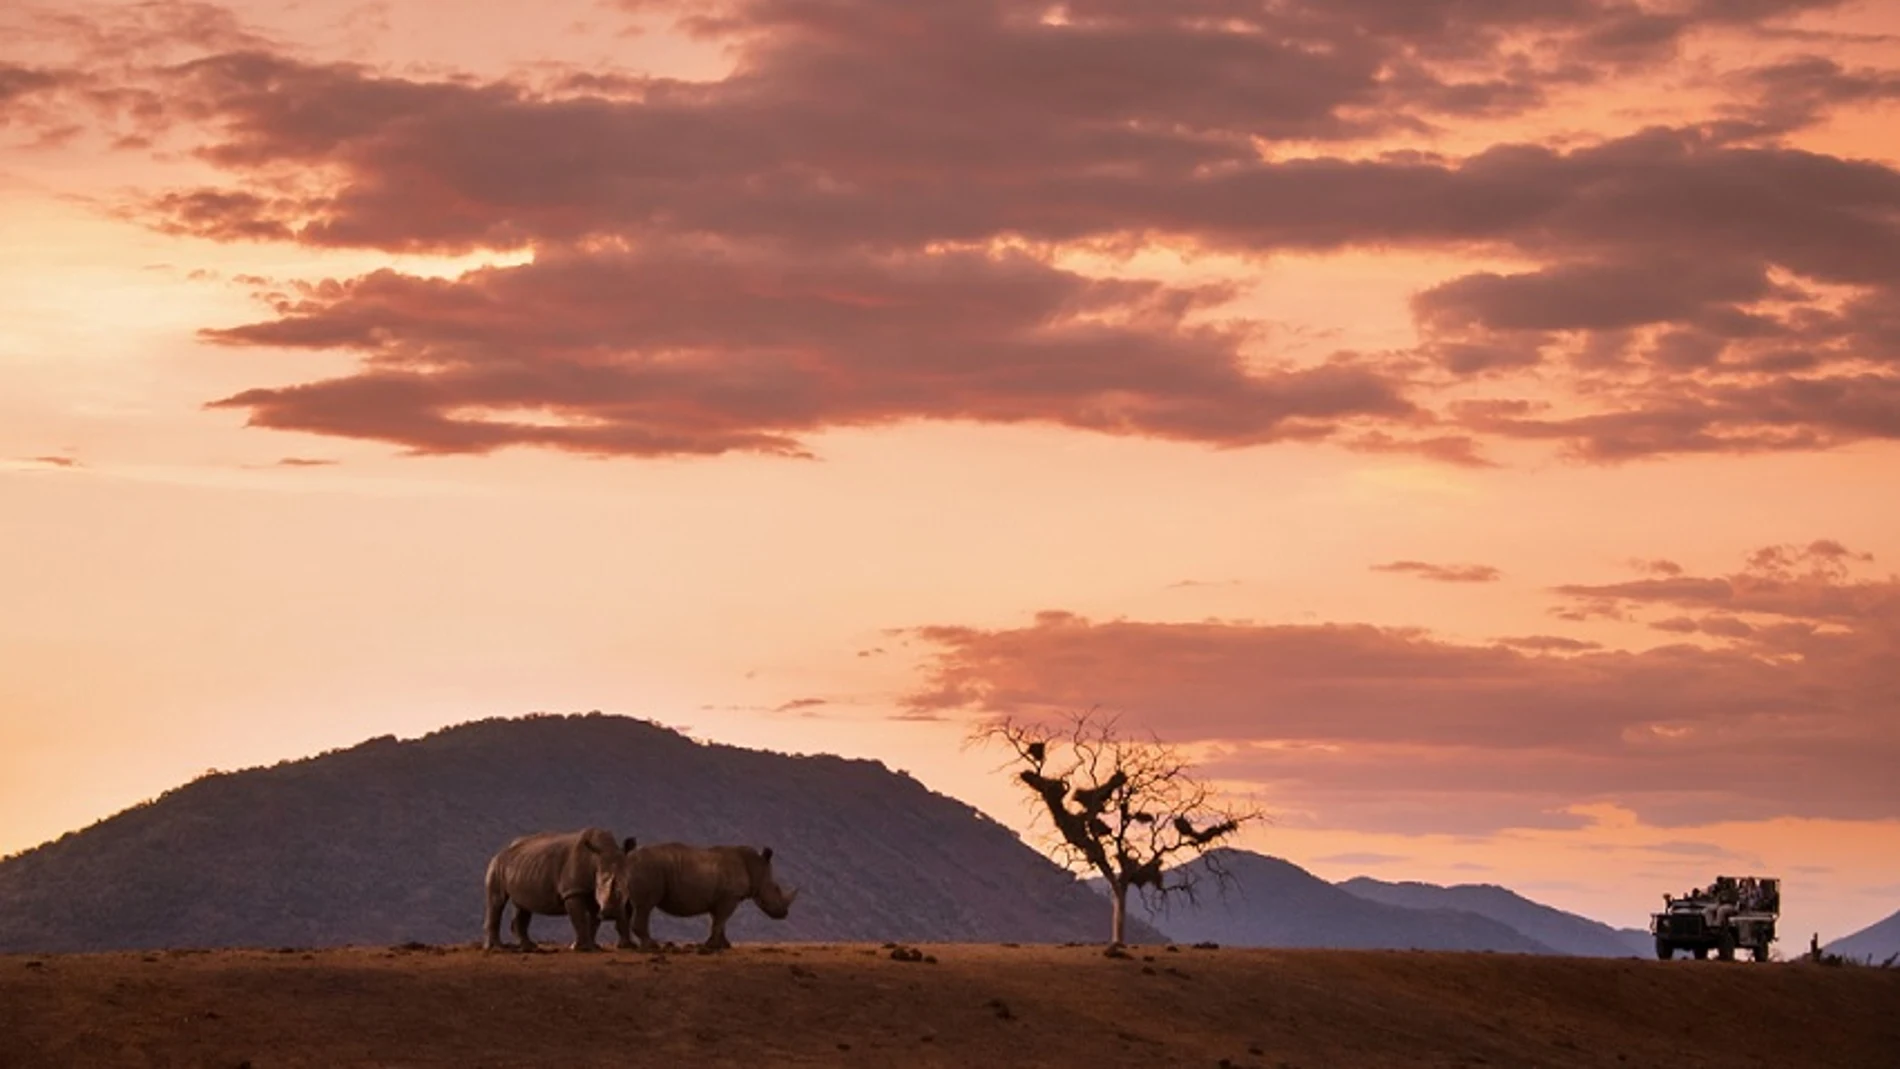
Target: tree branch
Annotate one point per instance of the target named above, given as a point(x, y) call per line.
point(1124, 808)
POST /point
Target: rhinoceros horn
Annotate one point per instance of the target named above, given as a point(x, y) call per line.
point(791, 896)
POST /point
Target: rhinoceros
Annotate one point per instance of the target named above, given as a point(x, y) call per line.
point(558, 873)
point(692, 881)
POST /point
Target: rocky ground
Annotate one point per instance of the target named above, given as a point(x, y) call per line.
point(952, 1005)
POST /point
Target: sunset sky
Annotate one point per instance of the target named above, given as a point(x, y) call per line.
point(1471, 427)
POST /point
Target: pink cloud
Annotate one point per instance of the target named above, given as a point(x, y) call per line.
point(1443, 573)
point(1804, 90)
point(710, 347)
point(1549, 643)
point(1803, 584)
point(884, 147)
point(1399, 729)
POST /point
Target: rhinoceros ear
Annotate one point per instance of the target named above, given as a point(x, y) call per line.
point(766, 853)
point(628, 846)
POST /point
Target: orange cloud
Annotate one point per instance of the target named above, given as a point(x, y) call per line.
point(1705, 286)
point(1395, 729)
point(1443, 573)
point(709, 348)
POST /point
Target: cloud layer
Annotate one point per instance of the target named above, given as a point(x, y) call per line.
point(1443, 573)
point(706, 347)
point(1784, 706)
point(875, 217)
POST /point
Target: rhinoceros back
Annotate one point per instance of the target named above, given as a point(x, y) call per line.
point(538, 872)
point(686, 881)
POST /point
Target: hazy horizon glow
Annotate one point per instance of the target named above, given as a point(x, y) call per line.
point(1470, 428)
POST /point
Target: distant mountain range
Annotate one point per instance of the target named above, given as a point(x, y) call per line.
point(1274, 903)
point(1875, 943)
point(1565, 933)
point(1270, 902)
point(386, 842)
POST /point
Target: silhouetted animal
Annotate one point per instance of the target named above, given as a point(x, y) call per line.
point(571, 873)
point(691, 881)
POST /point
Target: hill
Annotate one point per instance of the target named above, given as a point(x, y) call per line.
point(1563, 932)
point(1875, 943)
point(387, 841)
point(991, 1006)
point(1275, 903)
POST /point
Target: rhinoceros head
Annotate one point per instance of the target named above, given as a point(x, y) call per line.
point(774, 901)
point(610, 881)
point(607, 890)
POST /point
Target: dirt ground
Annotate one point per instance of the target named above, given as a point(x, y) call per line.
point(985, 1006)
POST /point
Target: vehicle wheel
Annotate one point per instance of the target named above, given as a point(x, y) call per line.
point(1664, 950)
point(1725, 950)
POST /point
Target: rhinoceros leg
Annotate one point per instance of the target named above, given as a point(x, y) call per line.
point(720, 914)
point(620, 925)
point(642, 914)
point(522, 917)
point(491, 920)
point(585, 915)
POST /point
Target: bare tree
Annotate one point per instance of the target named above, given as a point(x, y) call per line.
point(1123, 807)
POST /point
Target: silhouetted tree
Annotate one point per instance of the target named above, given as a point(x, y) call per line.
point(1127, 809)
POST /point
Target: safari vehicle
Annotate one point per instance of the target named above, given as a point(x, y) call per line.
point(1728, 915)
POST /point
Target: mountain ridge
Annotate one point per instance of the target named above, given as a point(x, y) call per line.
point(386, 842)
point(1565, 932)
point(1875, 943)
point(1266, 901)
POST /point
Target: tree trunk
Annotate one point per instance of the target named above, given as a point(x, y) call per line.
point(1118, 894)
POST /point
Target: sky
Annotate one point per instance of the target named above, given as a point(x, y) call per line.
point(1469, 429)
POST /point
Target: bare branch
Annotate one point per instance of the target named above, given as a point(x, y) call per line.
point(1123, 808)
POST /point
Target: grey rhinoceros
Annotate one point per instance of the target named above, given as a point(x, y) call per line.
point(692, 881)
point(558, 873)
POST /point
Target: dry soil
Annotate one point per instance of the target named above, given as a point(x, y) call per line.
point(986, 1006)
